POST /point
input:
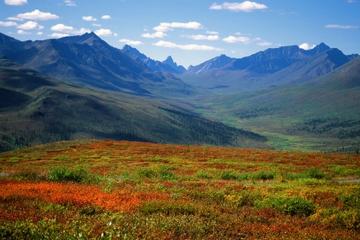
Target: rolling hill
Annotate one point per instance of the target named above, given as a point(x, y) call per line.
point(326, 109)
point(35, 109)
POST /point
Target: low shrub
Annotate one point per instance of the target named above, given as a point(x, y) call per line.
point(263, 175)
point(166, 174)
point(203, 175)
point(243, 198)
point(352, 200)
point(79, 175)
point(147, 173)
point(315, 173)
point(228, 175)
point(292, 206)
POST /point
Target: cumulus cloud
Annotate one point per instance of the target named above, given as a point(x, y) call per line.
point(188, 47)
point(15, 2)
point(104, 32)
point(154, 35)
point(164, 27)
point(36, 15)
point(70, 3)
point(30, 25)
point(237, 39)
point(205, 37)
point(8, 24)
point(246, 6)
point(130, 42)
point(306, 46)
point(246, 39)
point(89, 18)
point(106, 17)
point(338, 26)
point(61, 30)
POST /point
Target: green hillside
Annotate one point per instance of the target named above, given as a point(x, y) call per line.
point(35, 109)
point(322, 114)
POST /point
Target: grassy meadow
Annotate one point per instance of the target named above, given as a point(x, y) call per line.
point(132, 190)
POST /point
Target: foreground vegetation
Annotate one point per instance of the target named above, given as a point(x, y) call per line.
point(132, 190)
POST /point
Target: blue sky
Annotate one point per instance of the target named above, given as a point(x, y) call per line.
point(190, 30)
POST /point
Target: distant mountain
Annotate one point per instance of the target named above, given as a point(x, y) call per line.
point(215, 63)
point(276, 66)
point(36, 109)
point(167, 66)
point(89, 60)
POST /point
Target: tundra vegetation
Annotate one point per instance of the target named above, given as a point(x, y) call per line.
point(133, 190)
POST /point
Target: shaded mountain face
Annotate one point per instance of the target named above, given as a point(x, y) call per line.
point(167, 66)
point(36, 109)
point(268, 68)
point(89, 60)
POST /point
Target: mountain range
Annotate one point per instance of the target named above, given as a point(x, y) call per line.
point(272, 67)
point(81, 87)
point(90, 61)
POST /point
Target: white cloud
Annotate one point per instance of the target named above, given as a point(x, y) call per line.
point(188, 47)
point(246, 6)
point(168, 26)
point(15, 2)
point(22, 32)
point(70, 3)
point(61, 30)
point(306, 46)
point(96, 25)
point(30, 25)
point(208, 37)
point(39, 33)
point(162, 28)
point(14, 19)
point(106, 17)
point(104, 32)
point(154, 35)
point(246, 39)
point(237, 39)
point(130, 42)
point(59, 35)
point(89, 18)
point(8, 24)
point(37, 15)
point(338, 26)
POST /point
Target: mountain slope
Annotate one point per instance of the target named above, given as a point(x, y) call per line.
point(90, 61)
point(35, 109)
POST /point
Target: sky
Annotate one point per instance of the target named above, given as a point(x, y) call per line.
point(191, 31)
